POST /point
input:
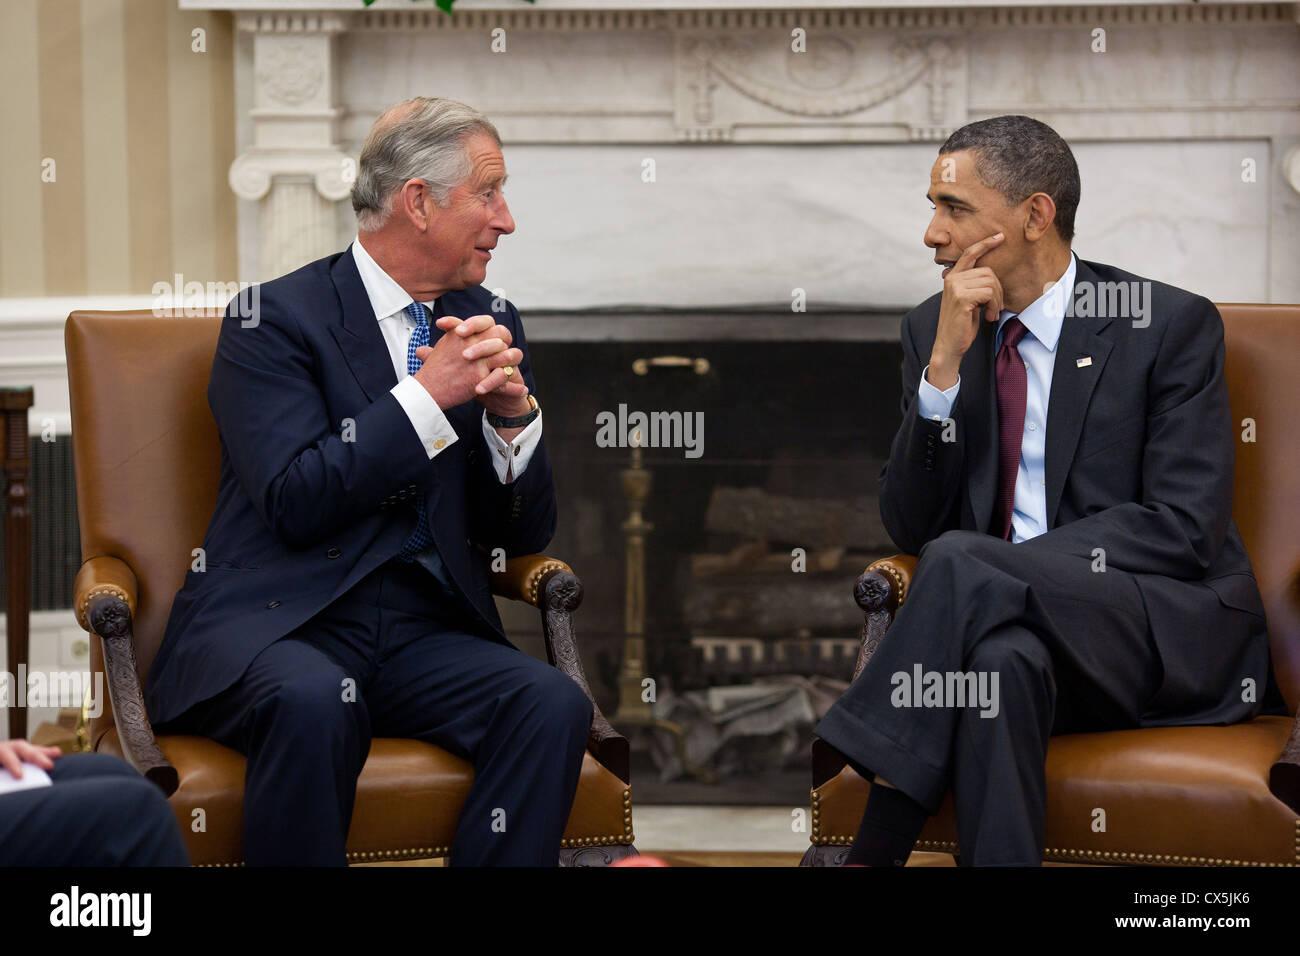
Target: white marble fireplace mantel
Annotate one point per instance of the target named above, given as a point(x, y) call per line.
point(777, 169)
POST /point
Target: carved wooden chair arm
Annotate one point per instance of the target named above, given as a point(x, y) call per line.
point(104, 601)
point(879, 591)
point(550, 585)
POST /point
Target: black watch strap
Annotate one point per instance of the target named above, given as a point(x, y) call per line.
point(496, 421)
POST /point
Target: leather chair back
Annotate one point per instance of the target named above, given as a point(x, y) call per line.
point(147, 454)
point(1263, 372)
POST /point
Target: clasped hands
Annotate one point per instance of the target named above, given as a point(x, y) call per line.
point(469, 361)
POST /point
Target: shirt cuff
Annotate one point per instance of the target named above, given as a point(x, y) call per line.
point(932, 403)
point(429, 421)
point(511, 458)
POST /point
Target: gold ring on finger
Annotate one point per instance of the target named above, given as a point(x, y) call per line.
point(509, 370)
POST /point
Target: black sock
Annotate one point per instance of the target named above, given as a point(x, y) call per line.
point(889, 829)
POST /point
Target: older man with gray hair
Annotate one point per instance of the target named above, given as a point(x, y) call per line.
point(380, 442)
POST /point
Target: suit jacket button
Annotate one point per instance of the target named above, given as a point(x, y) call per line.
point(273, 604)
point(333, 553)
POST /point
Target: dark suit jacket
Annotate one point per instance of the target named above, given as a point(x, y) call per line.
point(303, 514)
point(1139, 462)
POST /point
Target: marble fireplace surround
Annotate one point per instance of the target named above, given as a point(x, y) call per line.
point(777, 170)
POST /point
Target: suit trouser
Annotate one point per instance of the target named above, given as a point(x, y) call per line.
point(387, 660)
point(1069, 648)
point(98, 812)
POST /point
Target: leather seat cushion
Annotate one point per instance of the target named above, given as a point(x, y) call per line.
point(409, 796)
point(1167, 795)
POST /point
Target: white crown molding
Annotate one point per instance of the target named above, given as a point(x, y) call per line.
point(279, 20)
point(547, 7)
point(855, 16)
point(330, 16)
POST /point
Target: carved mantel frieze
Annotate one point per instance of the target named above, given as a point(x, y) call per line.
point(849, 85)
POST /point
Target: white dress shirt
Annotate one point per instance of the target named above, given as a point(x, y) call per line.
point(1042, 320)
point(389, 300)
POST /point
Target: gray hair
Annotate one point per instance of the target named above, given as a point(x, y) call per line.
point(1019, 156)
point(420, 138)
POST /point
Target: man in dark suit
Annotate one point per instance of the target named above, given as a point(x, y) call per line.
point(1063, 471)
point(380, 447)
point(94, 810)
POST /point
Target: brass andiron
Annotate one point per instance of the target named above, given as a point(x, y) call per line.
point(633, 709)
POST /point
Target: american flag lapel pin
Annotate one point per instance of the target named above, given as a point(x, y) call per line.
point(1083, 362)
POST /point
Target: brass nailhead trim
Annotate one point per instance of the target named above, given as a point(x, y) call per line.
point(95, 592)
point(359, 856)
point(412, 853)
point(534, 579)
point(885, 568)
point(1065, 854)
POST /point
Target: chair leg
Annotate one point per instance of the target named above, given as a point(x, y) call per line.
point(596, 855)
point(824, 856)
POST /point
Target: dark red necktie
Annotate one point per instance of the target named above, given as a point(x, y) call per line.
point(1010, 371)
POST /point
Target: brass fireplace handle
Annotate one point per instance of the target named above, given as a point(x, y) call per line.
point(642, 366)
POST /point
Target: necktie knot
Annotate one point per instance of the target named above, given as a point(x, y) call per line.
point(1013, 330)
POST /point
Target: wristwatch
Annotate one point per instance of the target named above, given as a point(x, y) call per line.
point(496, 421)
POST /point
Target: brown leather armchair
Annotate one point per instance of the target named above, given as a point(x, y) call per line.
point(1223, 796)
point(147, 458)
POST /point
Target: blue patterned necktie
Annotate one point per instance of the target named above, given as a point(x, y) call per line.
point(421, 538)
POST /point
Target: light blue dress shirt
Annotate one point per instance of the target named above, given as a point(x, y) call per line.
point(1042, 320)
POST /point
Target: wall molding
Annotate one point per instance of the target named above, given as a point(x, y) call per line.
point(919, 16)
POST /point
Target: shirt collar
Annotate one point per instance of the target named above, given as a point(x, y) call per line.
point(386, 296)
point(1043, 317)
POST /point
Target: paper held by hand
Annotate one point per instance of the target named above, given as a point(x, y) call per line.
point(33, 776)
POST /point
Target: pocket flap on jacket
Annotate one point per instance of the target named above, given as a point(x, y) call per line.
point(1238, 590)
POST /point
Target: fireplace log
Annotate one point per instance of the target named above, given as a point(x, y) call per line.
point(809, 523)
